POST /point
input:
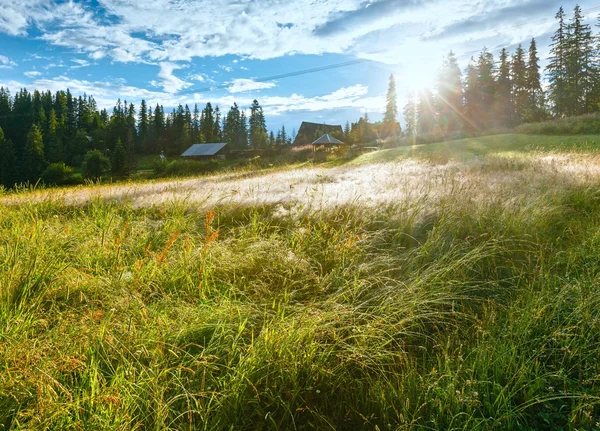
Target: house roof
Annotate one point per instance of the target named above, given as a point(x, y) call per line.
point(327, 139)
point(307, 131)
point(197, 150)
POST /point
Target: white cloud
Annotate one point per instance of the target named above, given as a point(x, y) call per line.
point(6, 63)
point(106, 94)
point(226, 68)
point(80, 63)
point(383, 30)
point(32, 73)
point(243, 85)
point(170, 83)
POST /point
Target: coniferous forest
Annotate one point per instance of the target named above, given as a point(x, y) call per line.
point(44, 132)
point(41, 131)
point(507, 91)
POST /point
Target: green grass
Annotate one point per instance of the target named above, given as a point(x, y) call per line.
point(467, 149)
point(444, 311)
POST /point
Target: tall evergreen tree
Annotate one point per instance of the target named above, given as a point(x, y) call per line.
point(580, 64)
point(258, 127)
point(410, 116)
point(34, 154)
point(119, 162)
point(535, 93)
point(472, 95)
point(8, 162)
point(450, 97)
point(520, 93)
point(53, 144)
point(144, 128)
point(503, 101)
point(391, 109)
point(426, 113)
point(487, 88)
point(557, 67)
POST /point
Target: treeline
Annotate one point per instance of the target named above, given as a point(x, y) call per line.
point(42, 131)
point(507, 92)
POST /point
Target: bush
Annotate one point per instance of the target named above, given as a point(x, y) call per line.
point(57, 174)
point(582, 125)
point(95, 164)
point(181, 168)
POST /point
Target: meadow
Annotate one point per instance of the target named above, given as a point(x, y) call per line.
point(450, 286)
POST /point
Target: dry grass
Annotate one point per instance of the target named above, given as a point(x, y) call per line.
point(400, 291)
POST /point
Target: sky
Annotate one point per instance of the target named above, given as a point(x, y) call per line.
point(195, 51)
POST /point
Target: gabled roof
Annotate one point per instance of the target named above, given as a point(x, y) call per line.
point(197, 150)
point(307, 131)
point(327, 139)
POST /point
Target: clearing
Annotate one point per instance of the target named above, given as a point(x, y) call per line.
point(445, 286)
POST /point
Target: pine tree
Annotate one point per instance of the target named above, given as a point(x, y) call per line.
point(196, 125)
point(217, 134)
point(271, 139)
point(427, 119)
point(472, 95)
point(119, 160)
point(519, 85)
point(242, 134)
point(580, 70)
point(503, 102)
point(34, 154)
point(557, 67)
point(487, 87)
point(347, 129)
point(450, 97)
point(258, 127)
point(391, 109)
point(144, 128)
point(207, 124)
point(410, 116)
point(535, 93)
point(8, 162)
point(284, 136)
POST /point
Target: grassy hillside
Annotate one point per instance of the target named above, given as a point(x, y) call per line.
point(417, 288)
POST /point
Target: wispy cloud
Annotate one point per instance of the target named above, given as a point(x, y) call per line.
point(169, 82)
point(79, 63)
point(32, 74)
point(6, 63)
point(244, 85)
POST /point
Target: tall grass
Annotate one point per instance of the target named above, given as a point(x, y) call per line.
point(454, 310)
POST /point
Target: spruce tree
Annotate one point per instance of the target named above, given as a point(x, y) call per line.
point(426, 122)
point(503, 102)
point(472, 95)
point(34, 154)
point(347, 129)
point(520, 93)
point(119, 163)
point(8, 161)
point(580, 70)
point(487, 87)
point(53, 145)
point(557, 67)
point(410, 116)
point(144, 128)
point(258, 128)
point(391, 109)
point(450, 98)
point(535, 93)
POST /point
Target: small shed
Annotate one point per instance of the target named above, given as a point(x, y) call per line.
point(205, 151)
point(327, 141)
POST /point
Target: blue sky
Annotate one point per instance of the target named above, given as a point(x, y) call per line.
point(174, 51)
